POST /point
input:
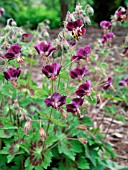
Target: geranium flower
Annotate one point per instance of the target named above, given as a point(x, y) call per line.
point(74, 106)
point(82, 53)
point(12, 73)
point(78, 73)
point(121, 15)
point(123, 82)
point(44, 49)
point(76, 28)
point(13, 52)
point(108, 83)
point(107, 37)
point(105, 24)
point(52, 71)
point(25, 37)
point(84, 89)
point(56, 100)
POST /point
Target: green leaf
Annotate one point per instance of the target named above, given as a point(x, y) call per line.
point(38, 167)
point(27, 162)
point(87, 121)
point(47, 159)
point(82, 163)
point(10, 158)
point(65, 148)
point(50, 140)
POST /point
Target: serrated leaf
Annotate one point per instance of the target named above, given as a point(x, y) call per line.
point(38, 167)
point(65, 148)
point(10, 158)
point(82, 163)
point(50, 140)
point(27, 162)
point(47, 159)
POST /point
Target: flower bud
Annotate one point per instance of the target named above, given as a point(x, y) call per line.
point(42, 133)
point(87, 20)
point(1, 11)
point(56, 54)
point(27, 127)
point(82, 140)
point(69, 17)
point(46, 34)
point(81, 127)
point(13, 23)
point(89, 10)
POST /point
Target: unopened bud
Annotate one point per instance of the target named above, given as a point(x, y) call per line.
point(89, 10)
point(87, 20)
point(42, 133)
point(82, 140)
point(27, 127)
point(81, 127)
point(13, 23)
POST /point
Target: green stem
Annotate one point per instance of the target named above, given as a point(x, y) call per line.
point(0, 143)
point(49, 121)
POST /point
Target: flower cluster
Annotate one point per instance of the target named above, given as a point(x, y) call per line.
point(107, 36)
point(121, 15)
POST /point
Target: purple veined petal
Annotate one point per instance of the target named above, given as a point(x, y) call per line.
point(49, 102)
point(78, 23)
point(80, 92)
point(6, 75)
point(109, 81)
point(12, 73)
point(103, 23)
point(72, 43)
point(76, 58)
point(103, 40)
point(77, 101)
point(50, 49)
point(86, 86)
point(56, 96)
point(83, 31)
point(85, 51)
point(48, 70)
point(122, 82)
point(15, 49)
point(109, 35)
point(105, 87)
point(56, 68)
point(70, 25)
point(71, 108)
point(62, 101)
point(73, 74)
point(9, 56)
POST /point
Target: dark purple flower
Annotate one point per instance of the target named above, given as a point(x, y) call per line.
point(107, 37)
point(52, 71)
point(76, 28)
point(121, 15)
point(123, 82)
point(82, 53)
point(84, 89)
point(12, 73)
point(56, 100)
point(13, 52)
point(74, 24)
point(44, 49)
point(78, 73)
point(105, 24)
point(71, 43)
point(74, 106)
point(108, 83)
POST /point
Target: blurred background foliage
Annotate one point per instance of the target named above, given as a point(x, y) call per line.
point(29, 13)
